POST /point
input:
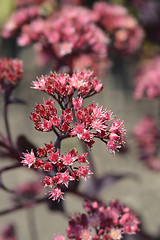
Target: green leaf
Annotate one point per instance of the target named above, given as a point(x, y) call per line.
point(6, 9)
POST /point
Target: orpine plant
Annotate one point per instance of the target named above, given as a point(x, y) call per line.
point(86, 123)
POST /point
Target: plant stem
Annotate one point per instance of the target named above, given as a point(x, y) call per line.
point(32, 224)
point(24, 205)
point(6, 120)
point(84, 195)
point(10, 167)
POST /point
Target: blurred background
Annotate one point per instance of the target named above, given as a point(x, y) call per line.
point(129, 68)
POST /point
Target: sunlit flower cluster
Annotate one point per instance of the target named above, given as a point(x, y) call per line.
point(66, 36)
point(49, 159)
point(87, 123)
point(147, 81)
point(121, 27)
point(11, 72)
point(73, 120)
point(102, 222)
point(74, 37)
point(61, 86)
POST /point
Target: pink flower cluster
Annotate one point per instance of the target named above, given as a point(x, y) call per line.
point(127, 35)
point(66, 36)
point(147, 81)
point(65, 85)
point(28, 11)
point(51, 160)
point(147, 133)
point(18, 20)
point(11, 72)
point(89, 122)
point(73, 36)
point(101, 222)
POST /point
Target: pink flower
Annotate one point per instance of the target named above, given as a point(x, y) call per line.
point(83, 171)
point(46, 125)
point(64, 178)
point(29, 159)
point(78, 130)
point(115, 234)
point(98, 125)
point(85, 235)
point(68, 159)
point(54, 157)
point(65, 48)
point(77, 103)
point(129, 223)
point(40, 84)
point(111, 145)
point(55, 194)
point(48, 181)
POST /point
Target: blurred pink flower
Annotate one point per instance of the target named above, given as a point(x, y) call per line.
point(146, 133)
point(28, 190)
point(122, 28)
point(8, 233)
point(147, 81)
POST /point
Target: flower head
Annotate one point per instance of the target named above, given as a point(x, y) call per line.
point(29, 158)
point(50, 159)
point(11, 72)
point(85, 83)
point(112, 222)
point(55, 194)
point(65, 36)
